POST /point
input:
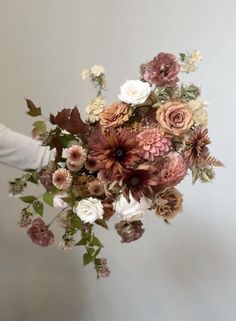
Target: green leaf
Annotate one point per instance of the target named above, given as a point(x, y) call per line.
point(194, 175)
point(48, 198)
point(87, 258)
point(38, 207)
point(33, 177)
point(102, 223)
point(28, 199)
point(33, 110)
point(76, 222)
point(39, 128)
point(97, 252)
point(182, 56)
point(66, 139)
point(91, 251)
point(81, 242)
point(95, 242)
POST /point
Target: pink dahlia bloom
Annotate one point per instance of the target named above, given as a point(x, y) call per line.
point(76, 156)
point(62, 179)
point(173, 171)
point(40, 234)
point(162, 70)
point(152, 144)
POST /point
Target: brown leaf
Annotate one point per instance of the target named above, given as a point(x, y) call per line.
point(33, 110)
point(70, 120)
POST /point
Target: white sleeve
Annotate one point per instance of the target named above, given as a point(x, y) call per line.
point(21, 151)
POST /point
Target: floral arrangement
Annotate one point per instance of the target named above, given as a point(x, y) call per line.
point(123, 160)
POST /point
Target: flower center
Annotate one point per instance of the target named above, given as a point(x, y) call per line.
point(119, 153)
point(134, 181)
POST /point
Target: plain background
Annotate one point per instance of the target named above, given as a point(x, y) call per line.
point(185, 271)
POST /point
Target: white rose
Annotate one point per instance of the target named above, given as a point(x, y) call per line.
point(134, 92)
point(90, 209)
point(58, 201)
point(97, 70)
point(134, 210)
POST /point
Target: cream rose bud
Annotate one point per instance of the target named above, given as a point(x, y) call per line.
point(58, 201)
point(134, 92)
point(89, 210)
point(134, 210)
point(97, 70)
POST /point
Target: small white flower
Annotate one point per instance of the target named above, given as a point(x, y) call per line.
point(58, 201)
point(197, 104)
point(134, 210)
point(134, 92)
point(89, 210)
point(200, 115)
point(85, 74)
point(196, 56)
point(97, 70)
point(191, 61)
point(94, 109)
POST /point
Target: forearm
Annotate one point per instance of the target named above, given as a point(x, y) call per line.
point(22, 152)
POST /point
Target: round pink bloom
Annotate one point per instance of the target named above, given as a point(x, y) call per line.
point(173, 171)
point(153, 144)
point(162, 70)
point(40, 234)
point(76, 155)
point(62, 179)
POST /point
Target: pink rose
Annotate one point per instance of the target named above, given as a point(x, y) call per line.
point(174, 117)
point(162, 70)
point(40, 234)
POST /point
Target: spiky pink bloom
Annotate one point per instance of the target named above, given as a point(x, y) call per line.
point(62, 179)
point(173, 171)
point(152, 144)
point(40, 234)
point(76, 156)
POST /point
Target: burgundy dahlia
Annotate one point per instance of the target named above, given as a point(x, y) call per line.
point(162, 70)
point(139, 181)
point(40, 234)
point(113, 151)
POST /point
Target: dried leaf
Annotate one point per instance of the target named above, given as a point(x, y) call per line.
point(33, 110)
point(70, 120)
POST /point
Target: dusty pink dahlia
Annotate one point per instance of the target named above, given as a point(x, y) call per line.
point(40, 234)
point(62, 179)
point(153, 144)
point(76, 156)
point(173, 171)
point(162, 70)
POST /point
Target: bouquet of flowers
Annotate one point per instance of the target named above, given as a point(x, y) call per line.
point(124, 159)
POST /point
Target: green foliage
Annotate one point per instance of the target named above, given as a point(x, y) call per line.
point(28, 199)
point(48, 198)
point(102, 223)
point(39, 128)
point(38, 207)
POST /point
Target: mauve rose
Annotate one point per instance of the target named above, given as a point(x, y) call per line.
point(173, 171)
point(40, 234)
point(162, 70)
point(174, 117)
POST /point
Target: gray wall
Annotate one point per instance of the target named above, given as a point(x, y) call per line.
point(186, 271)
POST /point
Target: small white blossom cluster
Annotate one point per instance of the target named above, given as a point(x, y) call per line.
point(190, 61)
point(95, 107)
point(94, 71)
point(198, 108)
